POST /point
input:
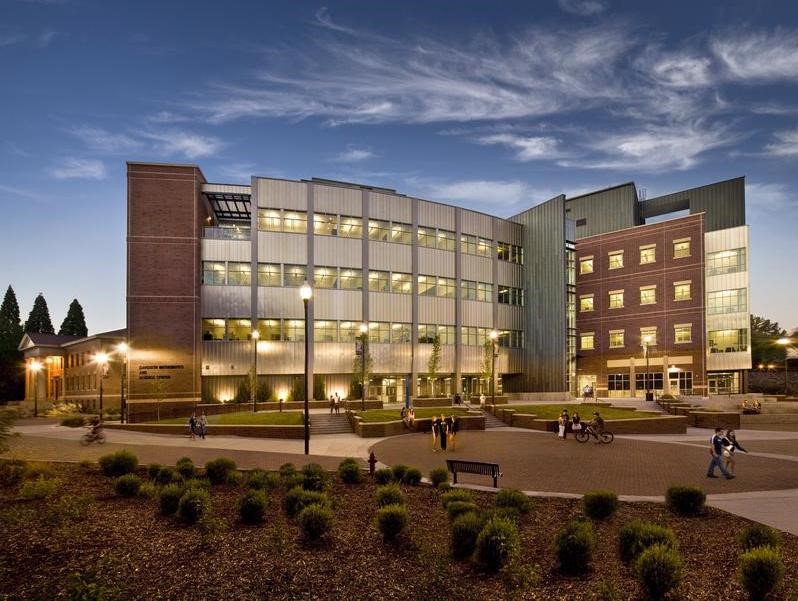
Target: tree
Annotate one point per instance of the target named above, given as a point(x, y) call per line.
point(434, 363)
point(11, 331)
point(319, 390)
point(361, 377)
point(39, 318)
point(74, 323)
point(486, 367)
point(764, 334)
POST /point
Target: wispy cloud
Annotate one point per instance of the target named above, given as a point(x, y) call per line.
point(527, 148)
point(766, 198)
point(44, 39)
point(176, 142)
point(101, 140)
point(786, 144)
point(167, 117)
point(9, 39)
point(12, 192)
point(73, 168)
point(758, 55)
point(353, 154)
point(583, 8)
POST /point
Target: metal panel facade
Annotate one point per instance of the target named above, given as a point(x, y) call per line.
point(604, 211)
point(723, 203)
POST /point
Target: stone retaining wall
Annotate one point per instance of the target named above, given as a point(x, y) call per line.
point(264, 431)
point(714, 419)
point(363, 429)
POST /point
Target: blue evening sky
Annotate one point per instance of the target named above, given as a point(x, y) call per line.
point(490, 105)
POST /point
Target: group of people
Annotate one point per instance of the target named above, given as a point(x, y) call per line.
point(197, 426)
point(444, 432)
point(335, 403)
point(573, 424)
point(408, 416)
point(753, 407)
point(722, 447)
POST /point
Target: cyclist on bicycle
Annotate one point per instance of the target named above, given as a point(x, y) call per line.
point(597, 424)
point(96, 425)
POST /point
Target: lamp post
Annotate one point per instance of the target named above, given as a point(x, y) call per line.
point(254, 379)
point(646, 342)
point(494, 337)
point(305, 293)
point(364, 340)
point(786, 343)
point(122, 348)
point(101, 359)
point(35, 367)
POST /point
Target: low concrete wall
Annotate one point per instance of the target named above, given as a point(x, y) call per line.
point(539, 397)
point(267, 431)
point(714, 419)
point(666, 424)
point(363, 429)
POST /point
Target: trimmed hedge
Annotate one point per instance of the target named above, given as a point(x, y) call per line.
point(349, 472)
point(252, 506)
point(636, 536)
point(497, 543)
point(315, 520)
point(508, 497)
point(399, 471)
point(390, 494)
point(314, 477)
point(194, 505)
point(758, 535)
point(392, 520)
point(599, 504)
point(659, 569)
point(685, 500)
point(439, 476)
point(465, 530)
point(457, 494)
point(127, 485)
point(153, 469)
point(574, 545)
point(74, 421)
point(119, 463)
point(412, 477)
point(298, 498)
point(169, 498)
point(166, 475)
point(383, 476)
point(259, 479)
point(218, 470)
point(185, 467)
point(457, 508)
point(761, 571)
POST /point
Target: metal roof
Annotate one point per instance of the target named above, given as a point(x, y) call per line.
point(229, 206)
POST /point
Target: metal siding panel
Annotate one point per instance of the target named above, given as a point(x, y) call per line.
point(227, 188)
point(438, 311)
point(385, 306)
point(344, 252)
point(275, 193)
point(338, 304)
point(277, 247)
point(390, 207)
point(477, 269)
point(391, 358)
point(511, 274)
point(423, 352)
point(276, 303)
point(433, 214)
point(605, 211)
point(432, 261)
point(723, 204)
point(337, 200)
point(476, 224)
point(389, 256)
point(225, 301)
point(477, 314)
point(226, 250)
point(510, 318)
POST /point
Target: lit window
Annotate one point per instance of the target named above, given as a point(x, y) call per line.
point(484, 292)
point(484, 247)
point(269, 274)
point(213, 273)
point(379, 230)
point(445, 334)
point(648, 295)
point(269, 329)
point(585, 265)
point(648, 254)
point(468, 244)
point(401, 283)
point(681, 248)
point(616, 299)
point(348, 331)
point(446, 287)
point(239, 329)
point(681, 291)
point(239, 274)
point(400, 332)
point(648, 335)
point(683, 333)
point(426, 237)
point(468, 290)
point(325, 225)
point(351, 279)
point(269, 220)
point(728, 341)
point(616, 338)
point(325, 277)
point(401, 233)
point(213, 329)
point(295, 275)
point(379, 331)
point(468, 336)
point(427, 333)
point(295, 222)
point(325, 331)
point(446, 240)
point(615, 259)
point(378, 281)
point(586, 303)
point(587, 341)
point(426, 285)
point(726, 301)
point(351, 227)
point(294, 330)
point(725, 261)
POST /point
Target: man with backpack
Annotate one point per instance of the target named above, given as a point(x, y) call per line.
point(716, 451)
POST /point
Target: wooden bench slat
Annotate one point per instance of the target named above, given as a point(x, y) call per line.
point(474, 467)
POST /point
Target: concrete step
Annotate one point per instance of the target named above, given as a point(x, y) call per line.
point(492, 421)
point(321, 423)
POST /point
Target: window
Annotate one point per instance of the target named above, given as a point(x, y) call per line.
point(446, 287)
point(325, 331)
point(683, 333)
point(294, 330)
point(587, 341)
point(269, 220)
point(325, 277)
point(511, 296)
point(681, 248)
point(468, 244)
point(239, 274)
point(379, 230)
point(446, 334)
point(378, 281)
point(616, 299)
point(269, 329)
point(401, 233)
point(468, 336)
point(213, 329)
point(484, 247)
point(325, 224)
point(426, 285)
point(426, 333)
point(726, 301)
point(468, 290)
point(651, 381)
point(618, 382)
point(269, 274)
point(446, 240)
point(585, 265)
point(213, 273)
point(648, 335)
point(295, 275)
point(295, 222)
point(586, 303)
point(400, 332)
point(648, 295)
point(348, 331)
point(648, 254)
point(239, 329)
point(426, 237)
point(510, 253)
point(401, 283)
point(484, 292)
point(616, 338)
point(728, 341)
point(350, 227)
point(351, 279)
point(726, 261)
point(379, 331)
point(681, 291)
point(615, 259)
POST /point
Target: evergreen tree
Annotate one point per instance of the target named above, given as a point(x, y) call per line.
point(434, 363)
point(11, 374)
point(10, 326)
point(74, 323)
point(764, 334)
point(39, 318)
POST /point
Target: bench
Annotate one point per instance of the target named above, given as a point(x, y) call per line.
point(474, 467)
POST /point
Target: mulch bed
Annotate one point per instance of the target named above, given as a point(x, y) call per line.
point(125, 544)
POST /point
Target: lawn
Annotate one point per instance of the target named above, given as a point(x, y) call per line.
point(247, 418)
point(391, 415)
point(585, 411)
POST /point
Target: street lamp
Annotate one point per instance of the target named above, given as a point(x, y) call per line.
point(646, 342)
point(364, 340)
point(35, 367)
point(122, 348)
point(494, 337)
point(254, 380)
point(786, 343)
point(101, 359)
point(305, 293)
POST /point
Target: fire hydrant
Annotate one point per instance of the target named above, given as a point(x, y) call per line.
point(372, 463)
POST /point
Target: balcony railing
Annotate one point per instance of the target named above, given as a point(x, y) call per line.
point(226, 233)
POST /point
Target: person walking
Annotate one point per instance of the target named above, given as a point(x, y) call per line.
point(443, 432)
point(411, 418)
point(561, 426)
point(729, 449)
point(455, 430)
point(716, 451)
point(192, 426)
point(203, 425)
point(332, 404)
point(337, 405)
point(434, 434)
point(482, 401)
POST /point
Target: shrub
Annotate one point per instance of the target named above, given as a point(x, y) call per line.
point(390, 494)
point(166, 475)
point(287, 470)
point(198, 483)
point(599, 504)
point(659, 569)
point(399, 471)
point(636, 536)
point(185, 467)
point(315, 520)
point(761, 570)
point(218, 470)
point(349, 472)
point(85, 464)
point(119, 463)
point(392, 519)
point(458, 494)
point(127, 485)
point(685, 500)
point(298, 498)
point(169, 498)
point(457, 508)
point(12, 471)
point(504, 513)
point(74, 421)
point(465, 530)
point(383, 476)
point(252, 506)
point(235, 478)
point(153, 469)
point(194, 505)
point(509, 497)
point(147, 490)
point(574, 545)
point(758, 535)
point(438, 476)
point(40, 488)
point(496, 544)
point(314, 477)
point(262, 480)
point(412, 477)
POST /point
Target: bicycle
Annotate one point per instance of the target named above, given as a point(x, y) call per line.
point(586, 432)
point(90, 437)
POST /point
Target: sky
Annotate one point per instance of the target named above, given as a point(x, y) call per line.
point(494, 106)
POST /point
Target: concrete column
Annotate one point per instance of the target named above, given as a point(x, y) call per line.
point(632, 383)
point(414, 309)
point(311, 305)
point(458, 303)
point(666, 382)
